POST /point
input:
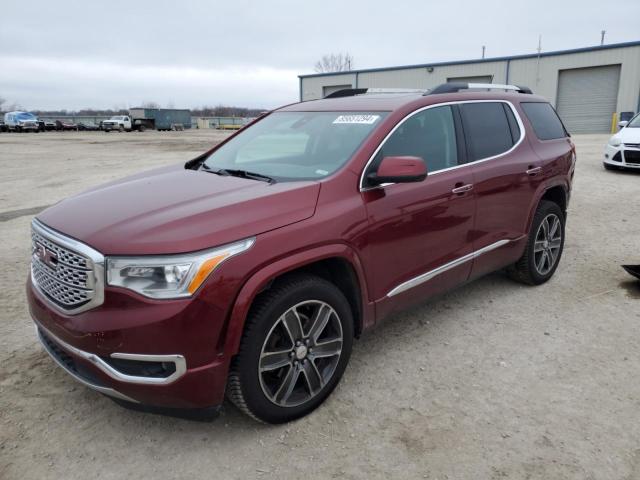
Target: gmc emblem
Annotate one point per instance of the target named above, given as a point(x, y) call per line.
point(45, 255)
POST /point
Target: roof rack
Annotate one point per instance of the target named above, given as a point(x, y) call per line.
point(350, 92)
point(457, 86)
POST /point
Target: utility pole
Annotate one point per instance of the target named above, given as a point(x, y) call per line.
point(602, 37)
point(538, 62)
point(483, 50)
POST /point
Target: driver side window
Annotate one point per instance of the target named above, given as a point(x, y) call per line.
point(429, 134)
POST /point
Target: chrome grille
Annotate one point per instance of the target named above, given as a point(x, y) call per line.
point(65, 256)
point(69, 274)
point(64, 295)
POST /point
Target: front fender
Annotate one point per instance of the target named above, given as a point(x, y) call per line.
point(260, 279)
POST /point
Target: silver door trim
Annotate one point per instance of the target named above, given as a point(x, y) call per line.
point(425, 277)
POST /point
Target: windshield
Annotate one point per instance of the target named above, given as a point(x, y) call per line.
point(116, 118)
point(634, 122)
point(296, 145)
point(25, 116)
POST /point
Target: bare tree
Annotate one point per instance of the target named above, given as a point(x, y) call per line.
point(2, 102)
point(150, 105)
point(335, 62)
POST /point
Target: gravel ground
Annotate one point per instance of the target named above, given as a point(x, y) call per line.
point(494, 380)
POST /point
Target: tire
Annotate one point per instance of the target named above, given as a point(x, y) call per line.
point(259, 390)
point(142, 128)
point(532, 269)
point(121, 129)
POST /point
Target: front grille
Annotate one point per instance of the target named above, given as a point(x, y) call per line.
point(66, 272)
point(632, 156)
point(68, 257)
point(64, 295)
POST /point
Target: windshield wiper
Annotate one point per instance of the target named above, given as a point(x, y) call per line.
point(240, 173)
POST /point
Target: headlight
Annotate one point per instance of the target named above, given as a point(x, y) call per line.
point(615, 141)
point(170, 276)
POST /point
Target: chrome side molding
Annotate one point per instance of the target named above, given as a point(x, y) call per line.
point(425, 277)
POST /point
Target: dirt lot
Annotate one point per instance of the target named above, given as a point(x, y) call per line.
point(494, 380)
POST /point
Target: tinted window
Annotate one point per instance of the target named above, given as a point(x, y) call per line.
point(544, 120)
point(487, 129)
point(430, 135)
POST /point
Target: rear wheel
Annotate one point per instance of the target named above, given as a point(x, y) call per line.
point(544, 248)
point(296, 346)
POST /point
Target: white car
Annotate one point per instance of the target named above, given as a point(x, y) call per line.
point(623, 149)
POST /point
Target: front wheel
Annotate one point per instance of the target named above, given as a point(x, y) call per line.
point(544, 248)
point(296, 346)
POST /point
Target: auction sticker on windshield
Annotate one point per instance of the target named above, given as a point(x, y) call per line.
point(364, 119)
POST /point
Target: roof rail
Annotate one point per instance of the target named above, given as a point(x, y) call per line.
point(457, 86)
point(350, 92)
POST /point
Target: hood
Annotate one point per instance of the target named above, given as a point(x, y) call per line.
point(173, 210)
point(629, 135)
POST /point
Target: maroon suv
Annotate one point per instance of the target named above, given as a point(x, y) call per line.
point(250, 270)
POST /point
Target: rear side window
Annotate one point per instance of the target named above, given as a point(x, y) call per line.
point(487, 129)
point(544, 120)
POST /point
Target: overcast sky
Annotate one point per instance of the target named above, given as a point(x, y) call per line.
point(189, 53)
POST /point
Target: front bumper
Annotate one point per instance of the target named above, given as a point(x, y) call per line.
point(622, 156)
point(116, 349)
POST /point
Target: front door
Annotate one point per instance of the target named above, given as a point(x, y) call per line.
point(419, 232)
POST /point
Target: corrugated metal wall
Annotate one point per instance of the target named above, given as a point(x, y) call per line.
point(587, 98)
point(541, 75)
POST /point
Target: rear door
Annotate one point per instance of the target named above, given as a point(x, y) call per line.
point(506, 174)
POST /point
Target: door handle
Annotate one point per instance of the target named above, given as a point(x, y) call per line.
point(462, 189)
point(533, 170)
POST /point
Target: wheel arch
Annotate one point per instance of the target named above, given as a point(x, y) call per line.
point(337, 263)
point(557, 193)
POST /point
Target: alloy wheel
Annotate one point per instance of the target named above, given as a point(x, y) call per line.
point(547, 245)
point(300, 353)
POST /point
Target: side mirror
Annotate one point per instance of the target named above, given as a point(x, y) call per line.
point(622, 123)
point(399, 170)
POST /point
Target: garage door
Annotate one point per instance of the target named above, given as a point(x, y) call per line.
point(587, 98)
point(480, 79)
point(333, 88)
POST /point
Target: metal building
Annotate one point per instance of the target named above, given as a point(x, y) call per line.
point(586, 85)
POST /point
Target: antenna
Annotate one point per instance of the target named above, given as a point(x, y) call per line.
point(602, 33)
point(483, 50)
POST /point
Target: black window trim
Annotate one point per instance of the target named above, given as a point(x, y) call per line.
point(361, 184)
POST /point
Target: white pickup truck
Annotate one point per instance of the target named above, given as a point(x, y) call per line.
point(119, 122)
